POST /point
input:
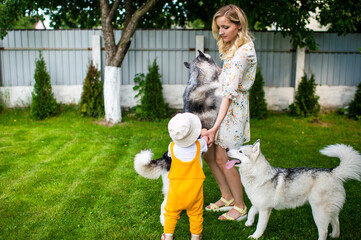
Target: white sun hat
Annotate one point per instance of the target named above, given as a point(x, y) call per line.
point(184, 129)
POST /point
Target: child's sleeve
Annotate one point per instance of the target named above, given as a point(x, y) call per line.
point(203, 143)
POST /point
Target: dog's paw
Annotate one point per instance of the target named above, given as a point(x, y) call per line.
point(248, 223)
point(334, 235)
point(255, 235)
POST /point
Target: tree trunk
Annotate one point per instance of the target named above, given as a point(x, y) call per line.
point(115, 53)
point(112, 105)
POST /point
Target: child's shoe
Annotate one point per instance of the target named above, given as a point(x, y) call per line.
point(196, 237)
point(167, 236)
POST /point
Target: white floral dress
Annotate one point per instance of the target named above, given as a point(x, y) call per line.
point(238, 75)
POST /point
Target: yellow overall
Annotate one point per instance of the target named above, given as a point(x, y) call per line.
point(185, 193)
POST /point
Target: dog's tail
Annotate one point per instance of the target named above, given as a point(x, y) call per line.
point(350, 165)
point(148, 168)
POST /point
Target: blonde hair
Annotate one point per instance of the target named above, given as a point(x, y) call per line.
point(236, 16)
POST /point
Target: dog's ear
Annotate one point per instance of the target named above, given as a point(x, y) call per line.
point(187, 64)
point(201, 53)
point(256, 146)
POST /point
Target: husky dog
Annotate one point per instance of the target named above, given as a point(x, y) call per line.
point(202, 97)
point(268, 187)
point(203, 93)
point(153, 169)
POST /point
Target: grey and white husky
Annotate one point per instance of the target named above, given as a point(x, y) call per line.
point(202, 97)
point(203, 93)
point(269, 187)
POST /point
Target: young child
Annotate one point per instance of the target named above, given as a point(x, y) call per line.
point(186, 174)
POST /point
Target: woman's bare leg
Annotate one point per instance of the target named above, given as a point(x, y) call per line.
point(210, 158)
point(233, 181)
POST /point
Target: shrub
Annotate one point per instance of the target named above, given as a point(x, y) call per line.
point(306, 100)
point(2, 104)
point(354, 108)
point(152, 106)
point(92, 97)
point(139, 84)
point(257, 102)
point(43, 103)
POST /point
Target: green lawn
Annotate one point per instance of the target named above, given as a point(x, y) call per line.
point(68, 177)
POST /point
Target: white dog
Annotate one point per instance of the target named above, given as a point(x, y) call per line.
point(268, 187)
point(153, 169)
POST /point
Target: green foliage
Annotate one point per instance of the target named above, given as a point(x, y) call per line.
point(257, 101)
point(152, 106)
point(139, 84)
point(4, 98)
point(92, 97)
point(9, 12)
point(306, 100)
point(26, 22)
point(196, 24)
point(354, 108)
point(289, 16)
point(342, 16)
point(43, 103)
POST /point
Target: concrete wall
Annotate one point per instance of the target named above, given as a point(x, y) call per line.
point(278, 98)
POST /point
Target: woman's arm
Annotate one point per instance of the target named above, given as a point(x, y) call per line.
point(211, 133)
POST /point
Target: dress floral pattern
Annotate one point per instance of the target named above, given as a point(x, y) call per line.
point(238, 75)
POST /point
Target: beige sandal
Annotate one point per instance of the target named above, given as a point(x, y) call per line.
point(226, 207)
point(243, 213)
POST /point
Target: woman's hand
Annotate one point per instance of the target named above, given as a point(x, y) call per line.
point(211, 133)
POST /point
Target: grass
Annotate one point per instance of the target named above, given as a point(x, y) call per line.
point(69, 178)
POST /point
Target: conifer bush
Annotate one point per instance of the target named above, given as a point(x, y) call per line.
point(152, 105)
point(43, 103)
point(354, 108)
point(92, 97)
point(257, 101)
point(2, 101)
point(306, 101)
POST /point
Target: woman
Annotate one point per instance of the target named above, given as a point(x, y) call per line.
point(231, 128)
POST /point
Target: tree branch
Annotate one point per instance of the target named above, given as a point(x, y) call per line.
point(128, 13)
point(145, 8)
point(107, 30)
point(128, 32)
point(113, 10)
